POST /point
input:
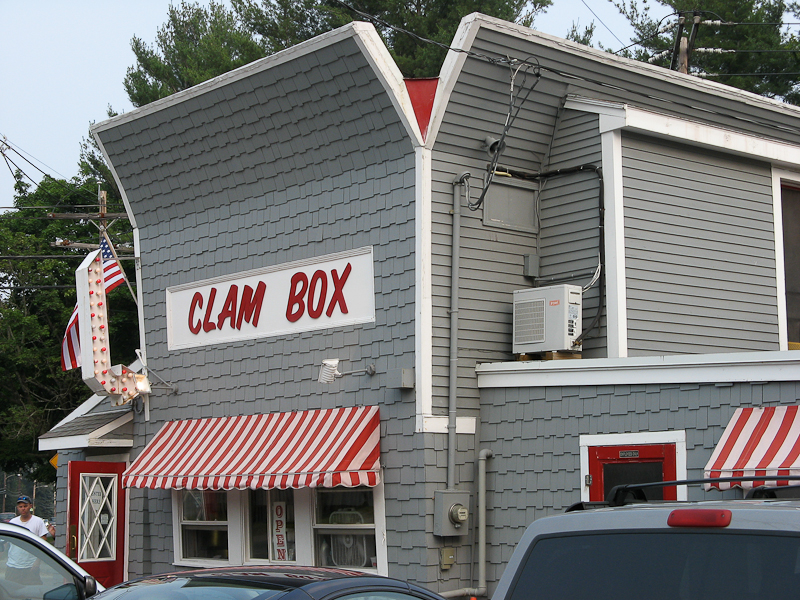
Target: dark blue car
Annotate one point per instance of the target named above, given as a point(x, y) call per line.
point(267, 583)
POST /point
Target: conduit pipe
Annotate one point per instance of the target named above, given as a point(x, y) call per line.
point(455, 265)
point(482, 588)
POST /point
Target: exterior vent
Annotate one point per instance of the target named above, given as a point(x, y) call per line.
point(547, 319)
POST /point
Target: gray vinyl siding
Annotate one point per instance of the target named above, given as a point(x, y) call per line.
point(700, 251)
point(265, 170)
point(596, 74)
point(534, 434)
point(570, 214)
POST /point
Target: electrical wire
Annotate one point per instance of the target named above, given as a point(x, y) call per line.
point(510, 118)
point(20, 151)
point(601, 22)
point(10, 146)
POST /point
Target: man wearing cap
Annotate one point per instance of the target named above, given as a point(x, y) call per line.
point(22, 567)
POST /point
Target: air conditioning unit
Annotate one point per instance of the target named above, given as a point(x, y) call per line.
point(547, 319)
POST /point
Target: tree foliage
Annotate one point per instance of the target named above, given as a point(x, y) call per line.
point(765, 57)
point(198, 43)
point(36, 301)
point(194, 45)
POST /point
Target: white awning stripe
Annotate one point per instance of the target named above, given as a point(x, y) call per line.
point(318, 448)
point(757, 442)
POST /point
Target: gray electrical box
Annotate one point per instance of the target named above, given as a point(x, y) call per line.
point(451, 514)
point(400, 379)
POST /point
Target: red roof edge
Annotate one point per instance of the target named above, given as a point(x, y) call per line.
point(422, 92)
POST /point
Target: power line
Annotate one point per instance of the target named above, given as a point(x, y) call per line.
point(19, 150)
point(8, 145)
point(601, 22)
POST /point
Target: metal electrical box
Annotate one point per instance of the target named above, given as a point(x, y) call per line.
point(450, 512)
point(547, 319)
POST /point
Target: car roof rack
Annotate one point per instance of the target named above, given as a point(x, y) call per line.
point(633, 493)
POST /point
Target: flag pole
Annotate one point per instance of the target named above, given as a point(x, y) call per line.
point(114, 252)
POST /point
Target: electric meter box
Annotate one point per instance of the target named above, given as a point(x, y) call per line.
point(451, 513)
point(547, 319)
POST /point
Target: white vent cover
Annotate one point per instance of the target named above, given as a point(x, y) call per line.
point(547, 319)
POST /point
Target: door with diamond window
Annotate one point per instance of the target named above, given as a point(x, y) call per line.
point(96, 519)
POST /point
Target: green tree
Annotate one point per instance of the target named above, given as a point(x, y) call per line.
point(36, 301)
point(199, 43)
point(435, 20)
point(761, 55)
point(194, 45)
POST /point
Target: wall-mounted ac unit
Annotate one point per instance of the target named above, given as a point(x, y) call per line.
point(547, 319)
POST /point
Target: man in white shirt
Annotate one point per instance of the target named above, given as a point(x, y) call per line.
point(22, 567)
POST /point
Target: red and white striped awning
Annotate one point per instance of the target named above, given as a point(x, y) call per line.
point(314, 448)
point(756, 442)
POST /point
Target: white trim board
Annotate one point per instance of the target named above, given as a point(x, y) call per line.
point(739, 367)
point(614, 116)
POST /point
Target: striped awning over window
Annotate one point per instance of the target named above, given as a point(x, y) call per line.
point(756, 442)
point(314, 448)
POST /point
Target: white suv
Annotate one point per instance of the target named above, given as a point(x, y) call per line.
point(52, 576)
point(715, 549)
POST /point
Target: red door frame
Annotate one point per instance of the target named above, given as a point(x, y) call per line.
point(666, 454)
point(107, 572)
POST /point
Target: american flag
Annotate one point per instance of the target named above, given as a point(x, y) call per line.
point(71, 346)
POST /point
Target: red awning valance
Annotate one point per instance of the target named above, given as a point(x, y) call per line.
point(756, 442)
point(314, 448)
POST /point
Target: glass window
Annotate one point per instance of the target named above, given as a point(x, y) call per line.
point(669, 565)
point(29, 572)
point(98, 521)
point(791, 257)
point(204, 524)
point(344, 528)
point(272, 528)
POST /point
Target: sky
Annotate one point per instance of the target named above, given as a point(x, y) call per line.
point(62, 65)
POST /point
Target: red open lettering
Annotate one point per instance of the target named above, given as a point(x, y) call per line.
point(197, 302)
point(234, 310)
point(250, 306)
point(315, 309)
point(207, 324)
point(296, 306)
point(338, 290)
point(229, 308)
point(317, 290)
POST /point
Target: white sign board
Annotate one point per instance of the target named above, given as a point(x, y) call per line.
point(336, 290)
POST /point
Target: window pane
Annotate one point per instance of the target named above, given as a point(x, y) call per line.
point(205, 542)
point(668, 565)
point(345, 549)
point(205, 505)
point(345, 507)
point(98, 519)
point(29, 572)
point(272, 525)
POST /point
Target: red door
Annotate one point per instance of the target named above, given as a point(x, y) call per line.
point(96, 519)
point(641, 463)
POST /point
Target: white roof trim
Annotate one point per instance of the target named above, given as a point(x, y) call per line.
point(738, 367)
point(93, 439)
point(615, 116)
point(449, 74)
point(632, 66)
point(368, 41)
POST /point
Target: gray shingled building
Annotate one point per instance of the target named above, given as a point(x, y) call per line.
point(315, 206)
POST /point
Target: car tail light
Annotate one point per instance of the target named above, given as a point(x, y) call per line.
point(699, 517)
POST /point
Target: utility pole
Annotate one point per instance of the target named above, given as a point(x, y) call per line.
point(685, 46)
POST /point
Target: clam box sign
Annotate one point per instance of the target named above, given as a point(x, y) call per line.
point(335, 290)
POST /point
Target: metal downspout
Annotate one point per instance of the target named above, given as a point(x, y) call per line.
point(482, 588)
point(455, 260)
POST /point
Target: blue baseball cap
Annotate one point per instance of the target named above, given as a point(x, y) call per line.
point(24, 499)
